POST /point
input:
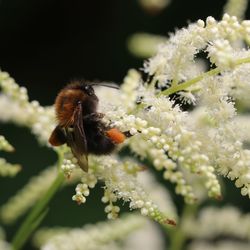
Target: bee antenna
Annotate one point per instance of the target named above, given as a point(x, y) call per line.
point(113, 86)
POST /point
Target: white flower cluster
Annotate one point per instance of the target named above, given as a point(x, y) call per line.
point(221, 54)
point(221, 134)
point(177, 141)
point(160, 133)
point(15, 107)
point(4, 145)
point(100, 236)
point(140, 234)
point(129, 89)
point(158, 192)
point(175, 60)
point(120, 183)
point(7, 169)
point(213, 223)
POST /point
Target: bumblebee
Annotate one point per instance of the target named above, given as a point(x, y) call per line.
point(80, 126)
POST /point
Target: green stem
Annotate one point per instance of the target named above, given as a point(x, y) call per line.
point(188, 83)
point(177, 236)
point(37, 213)
point(33, 227)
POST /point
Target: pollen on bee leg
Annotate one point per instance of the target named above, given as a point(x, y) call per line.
point(116, 136)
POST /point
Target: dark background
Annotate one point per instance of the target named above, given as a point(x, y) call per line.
point(46, 43)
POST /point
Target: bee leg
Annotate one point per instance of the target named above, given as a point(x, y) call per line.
point(57, 137)
point(128, 134)
point(93, 117)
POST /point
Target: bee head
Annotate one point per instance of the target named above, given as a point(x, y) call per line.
point(82, 89)
point(88, 89)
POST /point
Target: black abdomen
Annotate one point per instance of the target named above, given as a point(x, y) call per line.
point(98, 143)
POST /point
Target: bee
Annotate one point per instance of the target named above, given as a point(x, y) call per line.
point(80, 126)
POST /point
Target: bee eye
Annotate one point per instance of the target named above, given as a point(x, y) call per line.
point(89, 90)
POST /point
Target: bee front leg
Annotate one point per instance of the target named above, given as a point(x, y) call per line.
point(93, 117)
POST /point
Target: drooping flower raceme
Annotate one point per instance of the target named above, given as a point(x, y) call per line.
point(119, 177)
point(220, 228)
point(129, 232)
point(7, 169)
point(206, 140)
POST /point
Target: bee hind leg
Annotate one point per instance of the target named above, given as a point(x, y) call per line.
point(57, 137)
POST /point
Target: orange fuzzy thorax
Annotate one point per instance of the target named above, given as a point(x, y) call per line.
point(116, 136)
point(65, 105)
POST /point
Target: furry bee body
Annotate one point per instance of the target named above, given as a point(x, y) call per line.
point(81, 126)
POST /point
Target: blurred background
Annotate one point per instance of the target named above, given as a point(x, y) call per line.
point(46, 43)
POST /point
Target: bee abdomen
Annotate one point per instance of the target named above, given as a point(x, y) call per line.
point(101, 147)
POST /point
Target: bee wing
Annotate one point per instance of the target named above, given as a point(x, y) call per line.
point(77, 141)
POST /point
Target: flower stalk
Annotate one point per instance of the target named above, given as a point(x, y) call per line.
point(175, 88)
point(38, 212)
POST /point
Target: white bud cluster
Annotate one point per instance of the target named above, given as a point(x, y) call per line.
point(88, 181)
point(241, 173)
point(170, 146)
point(111, 210)
point(172, 63)
point(124, 186)
point(43, 122)
point(82, 191)
point(221, 54)
point(156, 150)
point(15, 106)
point(132, 167)
point(130, 123)
point(12, 90)
point(89, 178)
point(98, 236)
point(8, 169)
point(5, 145)
point(129, 89)
point(215, 222)
point(68, 166)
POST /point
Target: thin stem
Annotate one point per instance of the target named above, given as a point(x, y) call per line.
point(177, 236)
point(37, 213)
point(188, 83)
point(33, 227)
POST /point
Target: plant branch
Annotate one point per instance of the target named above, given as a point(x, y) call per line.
point(187, 84)
point(177, 236)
